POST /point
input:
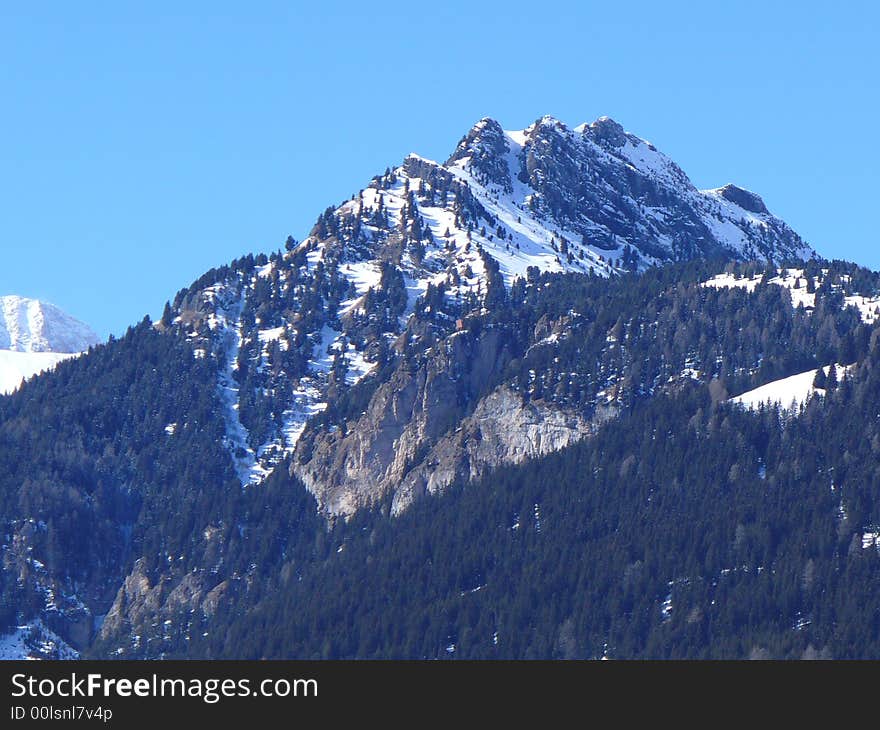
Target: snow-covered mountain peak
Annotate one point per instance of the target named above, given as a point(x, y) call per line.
point(36, 336)
point(482, 151)
point(606, 120)
point(607, 130)
point(610, 188)
point(30, 325)
point(548, 121)
point(431, 236)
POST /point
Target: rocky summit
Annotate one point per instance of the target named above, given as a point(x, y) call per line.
point(592, 199)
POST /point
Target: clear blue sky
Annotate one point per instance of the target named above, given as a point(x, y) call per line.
point(143, 143)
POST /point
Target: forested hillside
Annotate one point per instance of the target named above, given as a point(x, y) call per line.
point(686, 529)
point(506, 405)
point(675, 524)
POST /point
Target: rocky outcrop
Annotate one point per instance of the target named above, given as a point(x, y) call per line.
point(745, 199)
point(483, 149)
point(75, 626)
point(139, 599)
point(503, 429)
point(405, 416)
point(433, 424)
point(214, 598)
point(136, 599)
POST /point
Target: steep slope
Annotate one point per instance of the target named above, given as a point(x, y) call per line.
point(35, 336)
point(292, 331)
point(601, 190)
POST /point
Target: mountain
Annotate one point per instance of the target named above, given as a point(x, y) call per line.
point(29, 325)
point(35, 336)
point(593, 200)
point(503, 406)
point(600, 189)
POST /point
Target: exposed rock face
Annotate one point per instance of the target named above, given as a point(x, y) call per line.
point(502, 430)
point(607, 132)
point(484, 147)
point(588, 183)
point(433, 424)
point(139, 599)
point(406, 414)
point(745, 199)
point(215, 597)
point(611, 187)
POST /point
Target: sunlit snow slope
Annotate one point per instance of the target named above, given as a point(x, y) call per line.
point(35, 336)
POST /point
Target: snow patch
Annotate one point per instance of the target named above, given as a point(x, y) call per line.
point(796, 282)
point(791, 279)
point(788, 393)
point(34, 640)
point(16, 367)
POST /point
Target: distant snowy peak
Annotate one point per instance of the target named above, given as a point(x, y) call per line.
point(29, 325)
point(35, 337)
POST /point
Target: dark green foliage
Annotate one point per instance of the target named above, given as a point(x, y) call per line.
point(634, 334)
point(749, 524)
point(732, 520)
point(87, 462)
